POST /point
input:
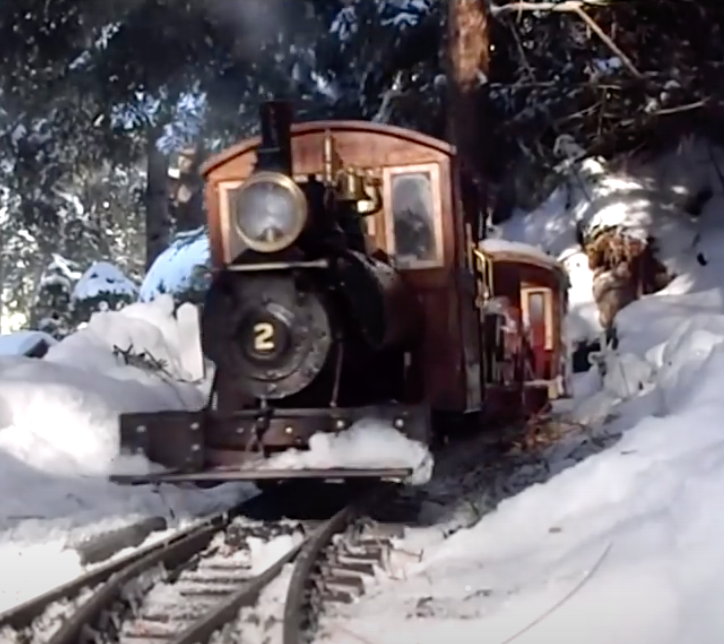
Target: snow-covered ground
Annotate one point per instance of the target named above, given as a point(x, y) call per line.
point(59, 441)
point(625, 546)
point(646, 198)
point(59, 438)
point(622, 546)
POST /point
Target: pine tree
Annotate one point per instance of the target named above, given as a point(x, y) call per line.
point(53, 310)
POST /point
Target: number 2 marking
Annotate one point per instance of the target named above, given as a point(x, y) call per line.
point(263, 337)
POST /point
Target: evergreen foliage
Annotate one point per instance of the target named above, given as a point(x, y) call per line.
point(102, 287)
point(52, 310)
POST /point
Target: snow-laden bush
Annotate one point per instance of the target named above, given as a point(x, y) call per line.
point(182, 271)
point(103, 287)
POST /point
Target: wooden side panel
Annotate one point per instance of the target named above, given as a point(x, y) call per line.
point(438, 288)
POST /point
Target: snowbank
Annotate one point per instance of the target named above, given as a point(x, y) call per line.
point(59, 440)
point(646, 197)
point(22, 342)
point(624, 546)
point(574, 557)
point(60, 415)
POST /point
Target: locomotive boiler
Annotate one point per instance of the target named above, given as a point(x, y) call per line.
point(309, 330)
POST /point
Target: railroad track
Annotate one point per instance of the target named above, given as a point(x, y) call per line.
point(206, 583)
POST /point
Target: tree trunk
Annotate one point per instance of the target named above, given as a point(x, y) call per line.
point(187, 191)
point(468, 68)
point(158, 222)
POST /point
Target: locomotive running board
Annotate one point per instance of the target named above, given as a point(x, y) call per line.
point(228, 474)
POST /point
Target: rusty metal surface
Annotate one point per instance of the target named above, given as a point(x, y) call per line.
point(195, 441)
point(298, 590)
point(174, 436)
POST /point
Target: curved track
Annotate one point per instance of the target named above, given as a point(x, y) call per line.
point(203, 579)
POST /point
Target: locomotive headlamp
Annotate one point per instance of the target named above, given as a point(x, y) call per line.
point(270, 212)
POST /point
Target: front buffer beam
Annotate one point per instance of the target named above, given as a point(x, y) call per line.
point(206, 447)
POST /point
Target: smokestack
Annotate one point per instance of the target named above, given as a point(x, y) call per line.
point(275, 150)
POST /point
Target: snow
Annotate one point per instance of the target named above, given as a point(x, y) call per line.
point(400, 13)
point(494, 245)
point(60, 271)
point(173, 270)
point(21, 342)
point(369, 443)
point(645, 198)
point(101, 278)
point(59, 441)
point(624, 546)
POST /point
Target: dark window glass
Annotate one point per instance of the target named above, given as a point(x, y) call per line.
point(414, 218)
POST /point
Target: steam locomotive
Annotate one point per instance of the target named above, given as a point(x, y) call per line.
point(351, 281)
point(308, 329)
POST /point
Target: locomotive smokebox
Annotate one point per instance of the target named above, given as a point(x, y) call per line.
point(275, 150)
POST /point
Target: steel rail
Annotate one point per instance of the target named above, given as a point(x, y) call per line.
point(110, 581)
point(22, 616)
point(168, 555)
point(295, 606)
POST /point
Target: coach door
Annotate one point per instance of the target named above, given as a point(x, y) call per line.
point(537, 312)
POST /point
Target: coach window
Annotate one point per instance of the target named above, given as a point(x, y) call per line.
point(414, 229)
point(537, 310)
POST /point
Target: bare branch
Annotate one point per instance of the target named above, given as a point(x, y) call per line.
point(667, 111)
point(571, 6)
point(609, 43)
point(565, 7)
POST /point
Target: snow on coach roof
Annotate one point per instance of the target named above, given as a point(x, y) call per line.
point(505, 249)
point(335, 126)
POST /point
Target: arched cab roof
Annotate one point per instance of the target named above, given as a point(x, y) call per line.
point(504, 250)
point(351, 128)
point(385, 150)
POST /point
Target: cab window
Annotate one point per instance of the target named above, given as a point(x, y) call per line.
point(414, 227)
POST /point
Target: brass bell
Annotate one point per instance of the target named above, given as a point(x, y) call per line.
point(351, 187)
